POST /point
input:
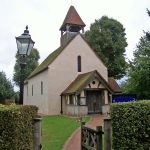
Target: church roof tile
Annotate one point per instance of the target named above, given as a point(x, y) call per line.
point(73, 18)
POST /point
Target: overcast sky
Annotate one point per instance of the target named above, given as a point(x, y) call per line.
point(44, 18)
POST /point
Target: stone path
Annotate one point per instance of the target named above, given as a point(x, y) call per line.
point(73, 143)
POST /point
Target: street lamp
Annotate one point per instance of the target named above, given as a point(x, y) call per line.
point(24, 45)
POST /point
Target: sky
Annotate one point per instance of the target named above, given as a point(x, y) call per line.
point(44, 18)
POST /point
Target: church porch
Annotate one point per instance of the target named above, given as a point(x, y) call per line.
point(87, 94)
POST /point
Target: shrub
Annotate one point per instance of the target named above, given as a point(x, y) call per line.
point(131, 125)
point(16, 127)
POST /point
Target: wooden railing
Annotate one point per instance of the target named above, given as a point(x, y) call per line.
point(91, 139)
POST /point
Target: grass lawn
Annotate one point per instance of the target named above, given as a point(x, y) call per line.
point(56, 130)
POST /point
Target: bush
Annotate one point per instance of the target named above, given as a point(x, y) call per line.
point(16, 127)
point(131, 125)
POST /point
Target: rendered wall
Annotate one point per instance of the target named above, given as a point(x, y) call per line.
point(38, 99)
point(64, 69)
point(76, 110)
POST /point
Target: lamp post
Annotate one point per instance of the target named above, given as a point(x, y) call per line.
point(24, 45)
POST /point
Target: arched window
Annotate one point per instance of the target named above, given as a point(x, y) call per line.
point(41, 88)
point(27, 90)
point(32, 89)
point(79, 63)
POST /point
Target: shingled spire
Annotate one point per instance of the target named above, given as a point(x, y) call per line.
point(72, 24)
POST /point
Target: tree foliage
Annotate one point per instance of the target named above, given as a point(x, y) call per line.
point(148, 33)
point(6, 87)
point(32, 63)
point(139, 72)
point(148, 12)
point(138, 81)
point(107, 37)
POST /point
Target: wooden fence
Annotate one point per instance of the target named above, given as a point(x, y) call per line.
point(91, 139)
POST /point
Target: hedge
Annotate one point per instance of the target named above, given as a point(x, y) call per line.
point(16, 127)
point(131, 125)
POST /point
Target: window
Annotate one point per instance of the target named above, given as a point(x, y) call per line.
point(71, 99)
point(93, 82)
point(82, 101)
point(27, 90)
point(41, 88)
point(79, 63)
point(32, 90)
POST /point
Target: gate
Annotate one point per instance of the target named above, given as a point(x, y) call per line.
point(91, 139)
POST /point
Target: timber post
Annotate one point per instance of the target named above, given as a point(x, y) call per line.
point(99, 137)
point(82, 124)
point(37, 133)
point(107, 133)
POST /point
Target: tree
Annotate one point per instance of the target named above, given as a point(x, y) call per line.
point(138, 81)
point(6, 87)
point(107, 37)
point(148, 12)
point(32, 63)
point(148, 33)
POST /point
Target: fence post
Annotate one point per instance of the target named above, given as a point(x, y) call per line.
point(82, 124)
point(107, 133)
point(99, 138)
point(37, 133)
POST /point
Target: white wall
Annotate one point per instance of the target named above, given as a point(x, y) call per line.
point(64, 70)
point(38, 99)
point(60, 74)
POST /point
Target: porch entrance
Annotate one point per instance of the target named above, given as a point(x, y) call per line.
point(94, 101)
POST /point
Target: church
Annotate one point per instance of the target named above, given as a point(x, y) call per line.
point(72, 80)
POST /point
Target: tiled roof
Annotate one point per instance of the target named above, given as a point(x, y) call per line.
point(78, 83)
point(44, 65)
point(72, 17)
point(82, 81)
point(114, 85)
point(52, 56)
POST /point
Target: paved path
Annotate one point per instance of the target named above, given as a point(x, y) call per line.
point(73, 143)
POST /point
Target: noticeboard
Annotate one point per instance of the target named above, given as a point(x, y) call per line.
point(124, 98)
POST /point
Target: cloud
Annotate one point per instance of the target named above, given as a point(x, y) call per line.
point(45, 18)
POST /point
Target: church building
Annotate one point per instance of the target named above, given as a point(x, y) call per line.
point(72, 80)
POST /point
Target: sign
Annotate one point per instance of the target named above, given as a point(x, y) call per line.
point(124, 98)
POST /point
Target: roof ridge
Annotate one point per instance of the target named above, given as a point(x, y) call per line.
point(49, 59)
point(82, 80)
point(44, 65)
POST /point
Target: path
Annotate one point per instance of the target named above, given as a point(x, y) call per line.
point(73, 143)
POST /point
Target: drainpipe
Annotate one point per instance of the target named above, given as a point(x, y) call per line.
point(61, 110)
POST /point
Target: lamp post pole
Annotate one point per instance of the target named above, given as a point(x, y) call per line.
point(24, 45)
point(22, 66)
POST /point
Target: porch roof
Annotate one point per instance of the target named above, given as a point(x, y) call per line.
point(114, 85)
point(83, 80)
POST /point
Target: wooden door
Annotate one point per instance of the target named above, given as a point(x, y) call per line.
point(94, 101)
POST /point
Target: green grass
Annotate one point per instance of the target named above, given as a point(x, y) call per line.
point(56, 130)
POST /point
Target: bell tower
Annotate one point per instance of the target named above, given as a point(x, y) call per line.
point(72, 25)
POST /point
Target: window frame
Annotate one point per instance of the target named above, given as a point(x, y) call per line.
point(71, 99)
point(41, 87)
point(79, 63)
point(82, 104)
point(32, 89)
